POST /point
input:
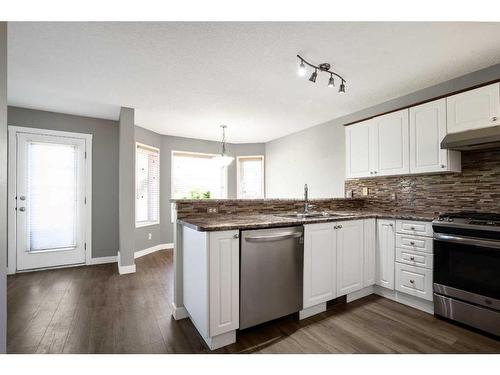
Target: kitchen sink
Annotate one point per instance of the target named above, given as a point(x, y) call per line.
point(311, 215)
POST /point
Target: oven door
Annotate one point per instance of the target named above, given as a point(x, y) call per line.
point(467, 264)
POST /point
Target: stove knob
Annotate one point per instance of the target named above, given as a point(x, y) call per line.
point(450, 220)
point(441, 219)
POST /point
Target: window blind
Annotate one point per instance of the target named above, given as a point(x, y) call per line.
point(251, 177)
point(52, 193)
point(196, 176)
point(147, 208)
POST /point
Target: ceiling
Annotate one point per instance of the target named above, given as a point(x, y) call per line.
point(186, 79)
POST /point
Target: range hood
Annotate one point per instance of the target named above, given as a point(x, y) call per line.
point(476, 139)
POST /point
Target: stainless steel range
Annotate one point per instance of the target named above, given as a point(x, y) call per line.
point(467, 269)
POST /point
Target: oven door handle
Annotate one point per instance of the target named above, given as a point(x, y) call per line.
point(467, 241)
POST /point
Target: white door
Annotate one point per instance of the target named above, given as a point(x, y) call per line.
point(224, 281)
point(369, 246)
point(50, 200)
point(393, 143)
point(349, 256)
point(358, 149)
point(385, 253)
point(473, 109)
point(320, 254)
point(427, 130)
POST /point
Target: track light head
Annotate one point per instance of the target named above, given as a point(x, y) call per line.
point(302, 69)
point(331, 82)
point(342, 87)
point(313, 76)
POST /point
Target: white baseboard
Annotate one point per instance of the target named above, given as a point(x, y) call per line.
point(152, 249)
point(313, 310)
point(405, 299)
point(179, 312)
point(103, 260)
point(216, 342)
point(123, 270)
point(359, 294)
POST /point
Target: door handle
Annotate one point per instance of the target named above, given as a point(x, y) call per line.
point(22, 209)
point(22, 197)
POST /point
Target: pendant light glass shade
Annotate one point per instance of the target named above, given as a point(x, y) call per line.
point(223, 159)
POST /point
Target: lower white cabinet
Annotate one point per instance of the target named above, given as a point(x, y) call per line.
point(370, 245)
point(320, 263)
point(211, 283)
point(416, 281)
point(385, 253)
point(350, 253)
point(224, 281)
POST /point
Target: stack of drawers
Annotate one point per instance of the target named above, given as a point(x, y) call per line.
point(413, 266)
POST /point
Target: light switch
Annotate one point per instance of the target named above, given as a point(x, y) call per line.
point(149, 236)
point(365, 191)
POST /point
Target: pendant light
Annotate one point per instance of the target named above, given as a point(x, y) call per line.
point(223, 159)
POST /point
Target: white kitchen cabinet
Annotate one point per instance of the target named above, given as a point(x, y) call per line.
point(385, 253)
point(211, 283)
point(392, 144)
point(474, 109)
point(350, 249)
point(427, 130)
point(224, 281)
point(360, 140)
point(370, 238)
point(416, 281)
point(320, 260)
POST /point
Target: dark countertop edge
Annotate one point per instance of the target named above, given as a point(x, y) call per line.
point(297, 222)
point(226, 200)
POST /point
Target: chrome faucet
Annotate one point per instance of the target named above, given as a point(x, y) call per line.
point(307, 205)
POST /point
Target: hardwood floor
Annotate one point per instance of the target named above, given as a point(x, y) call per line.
point(95, 310)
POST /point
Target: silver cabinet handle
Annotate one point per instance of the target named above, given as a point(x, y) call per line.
point(236, 235)
point(22, 197)
point(494, 118)
point(340, 226)
point(371, 172)
point(22, 209)
point(412, 228)
point(443, 166)
point(335, 227)
point(412, 243)
point(412, 258)
point(375, 172)
point(412, 281)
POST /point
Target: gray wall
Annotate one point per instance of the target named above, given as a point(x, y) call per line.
point(141, 240)
point(316, 155)
point(126, 185)
point(104, 168)
point(3, 187)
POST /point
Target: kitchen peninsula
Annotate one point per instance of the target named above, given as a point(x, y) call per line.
point(344, 247)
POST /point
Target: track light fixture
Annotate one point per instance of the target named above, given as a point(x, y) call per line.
point(313, 76)
point(325, 67)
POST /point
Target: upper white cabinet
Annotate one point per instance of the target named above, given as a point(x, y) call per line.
point(360, 149)
point(473, 109)
point(385, 253)
point(350, 249)
point(392, 145)
point(427, 130)
point(320, 259)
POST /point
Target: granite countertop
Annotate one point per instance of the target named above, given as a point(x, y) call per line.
point(206, 223)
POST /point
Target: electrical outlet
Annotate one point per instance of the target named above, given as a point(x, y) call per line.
point(149, 236)
point(212, 210)
point(394, 196)
point(365, 191)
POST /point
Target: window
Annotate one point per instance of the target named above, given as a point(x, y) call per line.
point(147, 179)
point(250, 176)
point(196, 176)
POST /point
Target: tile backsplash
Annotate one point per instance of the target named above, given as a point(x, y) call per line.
point(476, 188)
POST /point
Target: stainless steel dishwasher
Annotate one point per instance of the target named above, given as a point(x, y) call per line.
point(271, 272)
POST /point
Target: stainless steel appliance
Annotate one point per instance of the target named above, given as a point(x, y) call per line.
point(271, 269)
point(467, 269)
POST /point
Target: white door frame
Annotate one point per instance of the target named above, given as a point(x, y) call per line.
point(11, 188)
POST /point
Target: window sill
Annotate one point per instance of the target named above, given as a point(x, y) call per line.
point(146, 224)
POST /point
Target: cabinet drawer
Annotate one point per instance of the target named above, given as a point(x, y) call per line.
point(414, 258)
point(418, 243)
point(412, 280)
point(419, 228)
